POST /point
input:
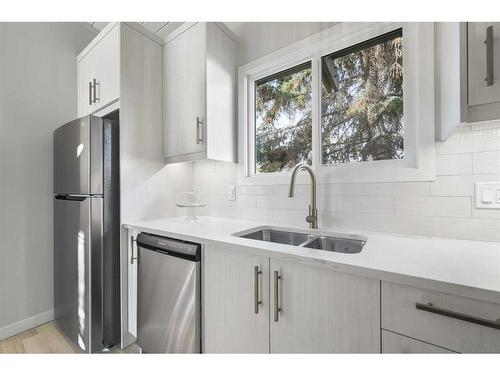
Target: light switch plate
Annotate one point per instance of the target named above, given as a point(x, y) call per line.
point(487, 195)
point(231, 193)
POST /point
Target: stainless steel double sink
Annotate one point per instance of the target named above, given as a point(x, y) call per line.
point(339, 243)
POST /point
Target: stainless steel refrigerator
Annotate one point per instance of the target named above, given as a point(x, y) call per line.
point(86, 232)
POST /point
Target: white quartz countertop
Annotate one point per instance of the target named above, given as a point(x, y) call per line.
point(467, 268)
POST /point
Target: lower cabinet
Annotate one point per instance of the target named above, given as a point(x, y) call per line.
point(232, 321)
point(460, 324)
point(286, 307)
point(398, 344)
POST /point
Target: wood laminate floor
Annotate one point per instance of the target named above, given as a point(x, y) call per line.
point(47, 338)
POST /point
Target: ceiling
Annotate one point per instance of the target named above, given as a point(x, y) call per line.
point(162, 29)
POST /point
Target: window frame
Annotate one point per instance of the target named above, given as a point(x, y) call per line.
point(418, 163)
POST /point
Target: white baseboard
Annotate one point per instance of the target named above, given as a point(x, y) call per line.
point(23, 325)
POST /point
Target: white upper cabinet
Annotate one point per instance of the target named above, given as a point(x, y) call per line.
point(199, 94)
point(467, 70)
point(99, 71)
point(483, 45)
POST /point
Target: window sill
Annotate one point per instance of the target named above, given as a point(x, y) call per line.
point(379, 171)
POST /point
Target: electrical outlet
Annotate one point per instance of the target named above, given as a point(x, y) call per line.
point(231, 193)
point(488, 195)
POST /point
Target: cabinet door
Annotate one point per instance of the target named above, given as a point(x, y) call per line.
point(231, 322)
point(479, 91)
point(101, 63)
point(85, 69)
point(323, 311)
point(184, 92)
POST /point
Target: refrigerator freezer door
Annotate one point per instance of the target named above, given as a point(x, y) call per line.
point(78, 157)
point(77, 288)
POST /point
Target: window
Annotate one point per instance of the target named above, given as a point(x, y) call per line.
point(283, 125)
point(362, 101)
point(356, 102)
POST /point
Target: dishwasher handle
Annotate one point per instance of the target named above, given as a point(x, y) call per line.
point(170, 246)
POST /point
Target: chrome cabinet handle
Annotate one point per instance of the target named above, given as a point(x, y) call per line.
point(256, 299)
point(489, 56)
point(277, 308)
point(429, 307)
point(90, 92)
point(199, 131)
point(95, 90)
point(132, 258)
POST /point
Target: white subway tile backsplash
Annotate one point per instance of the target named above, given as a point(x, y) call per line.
point(340, 189)
point(339, 220)
point(300, 189)
point(453, 164)
point(481, 213)
point(457, 188)
point(227, 212)
point(443, 207)
point(299, 202)
point(396, 188)
point(290, 217)
point(254, 189)
point(433, 206)
point(365, 204)
point(246, 201)
point(418, 225)
point(274, 201)
point(462, 185)
point(466, 229)
point(258, 214)
point(487, 162)
point(326, 203)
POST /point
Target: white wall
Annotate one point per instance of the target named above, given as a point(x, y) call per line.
point(443, 207)
point(257, 39)
point(38, 94)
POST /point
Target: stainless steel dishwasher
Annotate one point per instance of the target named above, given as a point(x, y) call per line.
point(168, 295)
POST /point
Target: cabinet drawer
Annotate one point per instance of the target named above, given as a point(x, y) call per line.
point(446, 323)
point(394, 343)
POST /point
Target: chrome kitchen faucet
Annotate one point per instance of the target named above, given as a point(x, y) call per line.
point(312, 218)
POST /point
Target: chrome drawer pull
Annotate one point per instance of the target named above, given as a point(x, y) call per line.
point(90, 92)
point(429, 307)
point(257, 300)
point(489, 56)
point(199, 131)
point(95, 91)
point(277, 308)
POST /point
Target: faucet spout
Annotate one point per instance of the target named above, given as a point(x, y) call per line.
point(312, 218)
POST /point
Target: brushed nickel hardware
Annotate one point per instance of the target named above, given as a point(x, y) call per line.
point(199, 131)
point(312, 218)
point(257, 300)
point(90, 92)
point(277, 308)
point(95, 90)
point(429, 307)
point(489, 56)
point(132, 258)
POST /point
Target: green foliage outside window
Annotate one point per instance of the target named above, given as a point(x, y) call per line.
point(361, 108)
